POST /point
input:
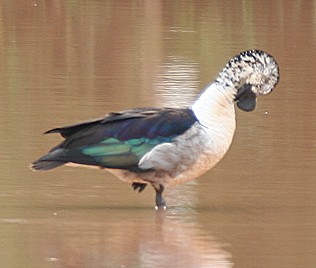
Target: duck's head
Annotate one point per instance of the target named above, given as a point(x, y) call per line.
point(250, 74)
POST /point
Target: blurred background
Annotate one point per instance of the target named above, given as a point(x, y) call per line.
point(66, 61)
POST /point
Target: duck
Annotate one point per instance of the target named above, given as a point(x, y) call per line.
point(163, 147)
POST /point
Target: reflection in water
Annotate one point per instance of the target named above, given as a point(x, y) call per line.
point(127, 238)
point(177, 82)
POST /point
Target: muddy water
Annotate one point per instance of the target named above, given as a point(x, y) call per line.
point(66, 61)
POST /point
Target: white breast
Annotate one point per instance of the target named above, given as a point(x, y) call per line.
point(198, 149)
point(206, 148)
point(189, 156)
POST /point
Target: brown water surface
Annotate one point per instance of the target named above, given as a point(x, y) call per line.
point(66, 61)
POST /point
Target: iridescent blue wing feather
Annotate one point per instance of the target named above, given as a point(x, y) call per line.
point(118, 140)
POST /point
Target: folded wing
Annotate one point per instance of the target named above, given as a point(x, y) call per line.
point(118, 140)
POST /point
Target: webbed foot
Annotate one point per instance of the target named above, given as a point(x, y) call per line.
point(138, 186)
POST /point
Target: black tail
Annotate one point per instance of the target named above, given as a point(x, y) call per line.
point(45, 164)
point(52, 160)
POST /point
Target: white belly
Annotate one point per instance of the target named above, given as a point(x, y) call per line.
point(190, 156)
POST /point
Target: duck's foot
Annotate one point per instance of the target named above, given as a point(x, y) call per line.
point(160, 202)
point(138, 186)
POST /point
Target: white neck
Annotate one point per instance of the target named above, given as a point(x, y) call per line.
point(216, 104)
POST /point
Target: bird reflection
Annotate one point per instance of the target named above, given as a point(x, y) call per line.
point(142, 238)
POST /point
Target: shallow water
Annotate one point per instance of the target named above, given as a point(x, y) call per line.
point(66, 61)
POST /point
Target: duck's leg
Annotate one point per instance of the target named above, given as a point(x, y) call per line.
point(160, 202)
point(138, 186)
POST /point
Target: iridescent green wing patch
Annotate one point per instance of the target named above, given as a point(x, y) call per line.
point(113, 153)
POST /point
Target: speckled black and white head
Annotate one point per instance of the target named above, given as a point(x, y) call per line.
point(252, 73)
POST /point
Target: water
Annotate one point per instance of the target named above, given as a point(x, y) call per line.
point(66, 61)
